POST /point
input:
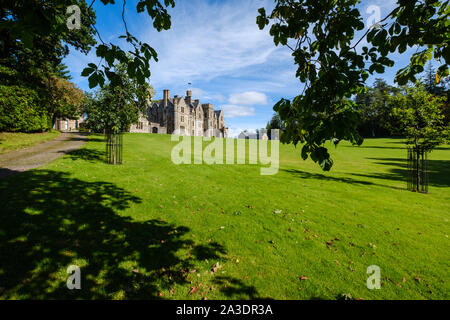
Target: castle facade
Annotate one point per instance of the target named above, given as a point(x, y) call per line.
point(182, 115)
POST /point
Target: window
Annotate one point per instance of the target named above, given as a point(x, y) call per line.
point(182, 119)
point(182, 109)
point(140, 126)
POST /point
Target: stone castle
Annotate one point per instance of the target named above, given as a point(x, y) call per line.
point(182, 115)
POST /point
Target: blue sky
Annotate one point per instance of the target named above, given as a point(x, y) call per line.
point(217, 47)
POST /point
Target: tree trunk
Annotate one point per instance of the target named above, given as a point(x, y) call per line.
point(113, 138)
point(417, 168)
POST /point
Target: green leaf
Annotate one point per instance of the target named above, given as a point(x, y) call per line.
point(87, 71)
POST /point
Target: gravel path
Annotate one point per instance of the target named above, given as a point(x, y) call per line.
point(38, 155)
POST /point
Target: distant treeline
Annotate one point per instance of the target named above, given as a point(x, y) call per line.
point(376, 110)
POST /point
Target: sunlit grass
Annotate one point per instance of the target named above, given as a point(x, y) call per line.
point(16, 140)
point(153, 229)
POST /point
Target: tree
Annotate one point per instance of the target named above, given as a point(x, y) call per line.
point(321, 35)
point(274, 123)
point(441, 89)
point(65, 99)
point(61, 71)
point(375, 111)
point(40, 27)
point(35, 38)
point(421, 119)
point(116, 108)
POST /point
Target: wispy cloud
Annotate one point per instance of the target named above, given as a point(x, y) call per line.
point(248, 98)
point(233, 111)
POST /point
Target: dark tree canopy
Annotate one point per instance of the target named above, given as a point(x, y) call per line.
point(322, 35)
point(375, 110)
point(34, 31)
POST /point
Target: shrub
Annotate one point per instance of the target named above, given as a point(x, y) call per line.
point(21, 110)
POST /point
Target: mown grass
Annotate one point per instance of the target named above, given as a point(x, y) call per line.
point(16, 140)
point(153, 229)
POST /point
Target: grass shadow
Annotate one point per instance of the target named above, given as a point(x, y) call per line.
point(318, 176)
point(51, 220)
point(90, 155)
point(439, 171)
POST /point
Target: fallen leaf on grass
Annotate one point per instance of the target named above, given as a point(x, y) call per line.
point(303, 278)
point(195, 289)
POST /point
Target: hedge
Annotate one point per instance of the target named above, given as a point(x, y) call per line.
point(21, 110)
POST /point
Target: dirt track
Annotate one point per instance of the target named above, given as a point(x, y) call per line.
point(38, 155)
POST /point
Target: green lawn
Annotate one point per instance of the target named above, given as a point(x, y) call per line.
point(153, 229)
point(16, 140)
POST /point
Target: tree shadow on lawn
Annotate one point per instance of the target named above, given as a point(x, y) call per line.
point(319, 176)
point(439, 171)
point(90, 155)
point(376, 147)
point(403, 147)
point(50, 220)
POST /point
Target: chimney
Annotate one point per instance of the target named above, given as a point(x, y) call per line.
point(166, 98)
point(189, 97)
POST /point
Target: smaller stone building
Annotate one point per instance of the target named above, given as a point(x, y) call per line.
point(63, 124)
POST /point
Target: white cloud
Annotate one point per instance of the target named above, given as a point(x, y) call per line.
point(233, 111)
point(248, 98)
point(205, 96)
